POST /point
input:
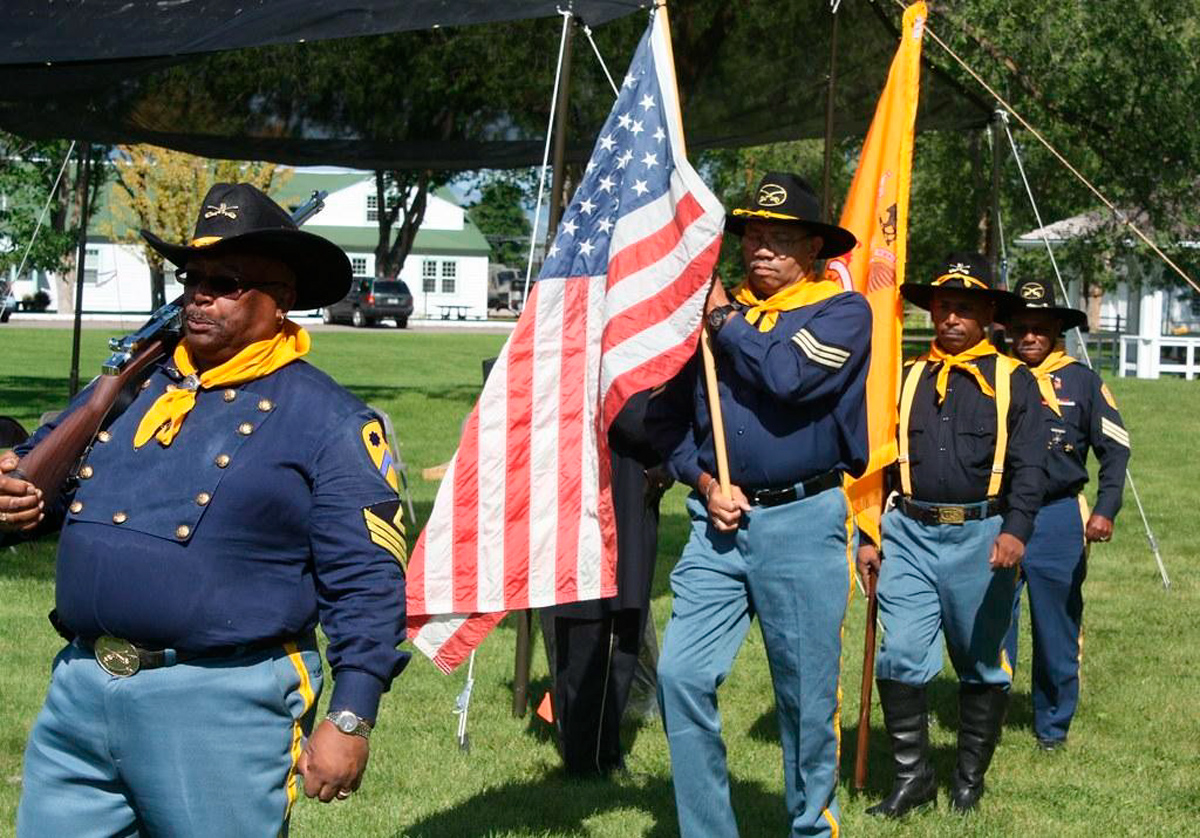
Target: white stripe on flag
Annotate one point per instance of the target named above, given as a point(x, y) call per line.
point(493, 445)
point(544, 473)
point(439, 573)
point(434, 634)
point(590, 546)
point(636, 225)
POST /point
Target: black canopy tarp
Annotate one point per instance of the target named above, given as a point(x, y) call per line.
point(376, 84)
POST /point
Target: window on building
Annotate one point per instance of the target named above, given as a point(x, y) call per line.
point(91, 265)
point(372, 208)
point(429, 276)
point(359, 265)
point(449, 274)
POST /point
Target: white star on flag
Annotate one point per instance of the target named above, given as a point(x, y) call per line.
point(624, 159)
point(640, 187)
point(569, 227)
point(586, 248)
point(586, 206)
point(650, 161)
point(647, 102)
point(624, 120)
point(607, 183)
point(659, 134)
point(606, 143)
point(637, 127)
point(604, 226)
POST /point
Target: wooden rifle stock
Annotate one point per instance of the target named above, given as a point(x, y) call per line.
point(50, 463)
point(868, 679)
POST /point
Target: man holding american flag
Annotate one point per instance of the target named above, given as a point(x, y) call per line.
point(792, 357)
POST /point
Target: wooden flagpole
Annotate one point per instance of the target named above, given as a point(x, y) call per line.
point(710, 362)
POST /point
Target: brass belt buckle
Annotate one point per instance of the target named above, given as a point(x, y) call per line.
point(951, 515)
point(117, 657)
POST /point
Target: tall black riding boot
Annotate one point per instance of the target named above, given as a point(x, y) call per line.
point(906, 714)
point(981, 715)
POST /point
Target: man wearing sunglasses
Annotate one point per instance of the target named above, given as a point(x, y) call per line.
point(241, 499)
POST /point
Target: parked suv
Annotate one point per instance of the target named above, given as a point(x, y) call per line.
point(372, 300)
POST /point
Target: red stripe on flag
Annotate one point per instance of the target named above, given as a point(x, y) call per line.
point(464, 542)
point(637, 318)
point(572, 384)
point(515, 481)
point(414, 583)
point(648, 250)
point(608, 521)
point(651, 373)
point(469, 635)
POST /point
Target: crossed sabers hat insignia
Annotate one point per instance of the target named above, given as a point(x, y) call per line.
point(223, 209)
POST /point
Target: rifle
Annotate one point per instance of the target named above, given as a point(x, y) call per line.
point(49, 465)
point(864, 707)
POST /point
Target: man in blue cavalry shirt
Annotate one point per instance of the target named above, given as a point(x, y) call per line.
point(242, 498)
point(792, 355)
point(1082, 416)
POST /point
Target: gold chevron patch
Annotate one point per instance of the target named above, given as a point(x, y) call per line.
point(385, 527)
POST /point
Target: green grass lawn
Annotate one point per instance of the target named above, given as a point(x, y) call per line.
point(1133, 765)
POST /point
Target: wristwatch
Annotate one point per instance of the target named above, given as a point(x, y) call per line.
point(347, 722)
point(717, 317)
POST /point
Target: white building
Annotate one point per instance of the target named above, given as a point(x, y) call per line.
point(1157, 322)
point(447, 269)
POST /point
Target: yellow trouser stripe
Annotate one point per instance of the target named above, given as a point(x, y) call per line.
point(306, 694)
point(906, 400)
point(837, 709)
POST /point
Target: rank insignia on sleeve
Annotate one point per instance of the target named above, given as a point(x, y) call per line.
point(385, 526)
point(380, 453)
point(1108, 396)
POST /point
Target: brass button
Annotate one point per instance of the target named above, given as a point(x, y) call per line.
point(120, 518)
point(265, 405)
point(104, 436)
point(183, 531)
point(222, 460)
point(171, 388)
point(76, 507)
point(86, 472)
point(229, 395)
point(245, 429)
point(145, 384)
point(203, 498)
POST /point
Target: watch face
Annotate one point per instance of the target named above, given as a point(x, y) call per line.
point(346, 721)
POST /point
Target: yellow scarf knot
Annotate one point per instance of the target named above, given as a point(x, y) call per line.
point(963, 361)
point(165, 417)
point(1052, 363)
point(798, 294)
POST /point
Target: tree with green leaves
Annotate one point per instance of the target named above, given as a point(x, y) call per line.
point(500, 216)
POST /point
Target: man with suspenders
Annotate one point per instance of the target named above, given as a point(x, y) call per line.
point(971, 444)
point(1082, 414)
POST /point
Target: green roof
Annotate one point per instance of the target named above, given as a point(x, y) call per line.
point(465, 242)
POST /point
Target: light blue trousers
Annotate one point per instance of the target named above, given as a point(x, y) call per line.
point(205, 748)
point(790, 567)
point(935, 580)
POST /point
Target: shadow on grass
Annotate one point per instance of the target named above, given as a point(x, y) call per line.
point(29, 395)
point(465, 394)
point(560, 804)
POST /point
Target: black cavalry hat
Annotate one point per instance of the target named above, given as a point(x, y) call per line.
point(786, 197)
point(238, 216)
point(1038, 295)
point(962, 271)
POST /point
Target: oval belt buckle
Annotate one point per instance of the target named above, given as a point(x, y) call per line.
point(951, 515)
point(117, 657)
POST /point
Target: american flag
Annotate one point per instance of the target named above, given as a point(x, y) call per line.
point(523, 517)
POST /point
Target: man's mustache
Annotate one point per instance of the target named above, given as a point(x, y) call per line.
point(193, 315)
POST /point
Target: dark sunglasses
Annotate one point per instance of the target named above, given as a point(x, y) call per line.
point(219, 285)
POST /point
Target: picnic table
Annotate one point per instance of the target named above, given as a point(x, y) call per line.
point(460, 312)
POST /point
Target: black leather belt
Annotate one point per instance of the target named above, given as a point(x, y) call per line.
point(948, 513)
point(787, 494)
point(121, 658)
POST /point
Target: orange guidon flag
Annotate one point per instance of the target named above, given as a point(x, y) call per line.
point(876, 212)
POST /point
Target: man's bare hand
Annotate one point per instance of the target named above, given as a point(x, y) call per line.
point(1007, 551)
point(1099, 528)
point(20, 501)
point(724, 512)
point(868, 561)
point(333, 763)
point(716, 296)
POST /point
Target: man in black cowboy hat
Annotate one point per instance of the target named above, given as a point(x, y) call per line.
point(792, 355)
point(1081, 414)
point(969, 474)
point(242, 498)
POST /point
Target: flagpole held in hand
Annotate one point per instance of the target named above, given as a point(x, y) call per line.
point(864, 706)
point(714, 409)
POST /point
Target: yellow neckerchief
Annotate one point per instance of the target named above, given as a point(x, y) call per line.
point(1052, 363)
point(963, 361)
point(798, 294)
point(165, 417)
